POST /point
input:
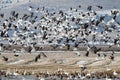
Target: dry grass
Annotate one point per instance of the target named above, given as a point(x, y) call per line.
point(66, 61)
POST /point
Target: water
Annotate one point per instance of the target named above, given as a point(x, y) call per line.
point(19, 78)
point(34, 78)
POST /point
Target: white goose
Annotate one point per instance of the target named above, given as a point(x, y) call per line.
point(8, 72)
point(16, 73)
point(115, 73)
point(24, 72)
point(88, 74)
point(107, 78)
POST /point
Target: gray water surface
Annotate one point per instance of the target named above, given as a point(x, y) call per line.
point(19, 78)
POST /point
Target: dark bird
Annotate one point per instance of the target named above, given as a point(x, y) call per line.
point(43, 54)
point(100, 7)
point(1, 45)
point(12, 13)
point(79, 6)
point(2, 34)
point(98, 54)
point(104, 55)
point(115, 41)
point(95, 49)
point(1, 15)
point(112, 57)
point(29, 49)
point(89, 8)
point(39, 56)
point(68, 46)
point(16, 55)
point(5, 58)
point(87, 54)
point(36, 59)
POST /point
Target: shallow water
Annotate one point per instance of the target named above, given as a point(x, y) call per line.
point(19, 78)
point(34, 78)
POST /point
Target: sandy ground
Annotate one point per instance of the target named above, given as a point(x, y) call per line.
point(65, 60)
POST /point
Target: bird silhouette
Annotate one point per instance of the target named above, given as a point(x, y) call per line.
point(5, 58)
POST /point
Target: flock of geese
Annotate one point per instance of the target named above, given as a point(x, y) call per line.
point(64, 75)
point(60, 28)
point(43, 26)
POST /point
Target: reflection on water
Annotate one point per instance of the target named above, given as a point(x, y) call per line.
point(19, 78)
point(48, 78)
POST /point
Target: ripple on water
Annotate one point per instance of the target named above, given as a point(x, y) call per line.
point(18, 78)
